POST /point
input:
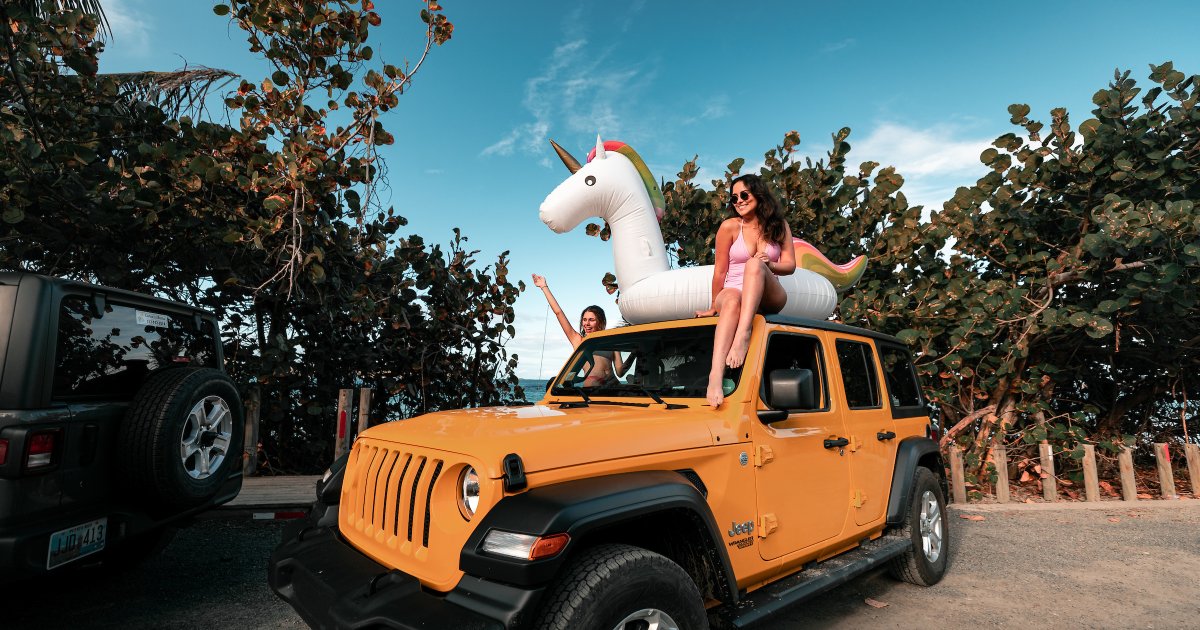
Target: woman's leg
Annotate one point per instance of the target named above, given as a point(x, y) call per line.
point(728, 305)
point(761, 293)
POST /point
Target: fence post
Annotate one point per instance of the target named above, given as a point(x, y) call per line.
point(1128, 481)
point(364, 409)
point(343, 422)
point(1091, 481)
point(1192, 451)
point(958, 485)
point(1049, 483)
point(250, 444)
point(1166, 478)
point(1000, 458)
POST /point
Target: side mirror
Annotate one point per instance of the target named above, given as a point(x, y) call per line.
point(791, 389)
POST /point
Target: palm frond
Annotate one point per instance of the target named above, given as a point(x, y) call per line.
point(177, 93)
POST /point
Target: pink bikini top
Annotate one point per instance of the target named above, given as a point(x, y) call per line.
point(739, 254)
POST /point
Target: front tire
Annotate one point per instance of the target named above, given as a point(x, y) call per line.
point(928, 528)
point(620, 587)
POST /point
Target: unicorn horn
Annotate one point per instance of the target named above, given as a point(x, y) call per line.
point(599, 148)
point(567, 158)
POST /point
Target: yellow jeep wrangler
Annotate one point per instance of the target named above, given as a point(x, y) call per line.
point(629, 502)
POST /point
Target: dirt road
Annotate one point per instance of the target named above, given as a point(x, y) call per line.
point(1111, 566)
point(1107, 565)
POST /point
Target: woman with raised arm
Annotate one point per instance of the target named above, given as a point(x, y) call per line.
point(753, 247)
point(590, 320)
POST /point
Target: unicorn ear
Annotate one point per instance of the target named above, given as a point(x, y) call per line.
point(599, 148)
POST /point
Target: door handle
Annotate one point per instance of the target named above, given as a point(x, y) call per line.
point(838, 443)
point(885, 435)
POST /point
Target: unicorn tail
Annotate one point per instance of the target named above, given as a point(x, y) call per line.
point(841, 276)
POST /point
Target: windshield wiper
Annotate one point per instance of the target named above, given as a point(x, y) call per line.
point(656, 398)
point(576, 390)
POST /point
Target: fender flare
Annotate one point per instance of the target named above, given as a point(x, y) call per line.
point(584, 505)
point(909, 454)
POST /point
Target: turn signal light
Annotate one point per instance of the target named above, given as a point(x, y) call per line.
point(40, 452)
point(524, 546)
point(548, 546)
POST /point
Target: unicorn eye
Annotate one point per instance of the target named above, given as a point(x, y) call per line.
point(590, 180)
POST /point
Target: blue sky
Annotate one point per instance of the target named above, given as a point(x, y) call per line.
point(923, 86)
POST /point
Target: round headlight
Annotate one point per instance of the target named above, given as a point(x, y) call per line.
point(468, 497)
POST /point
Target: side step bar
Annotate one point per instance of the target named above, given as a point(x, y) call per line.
point(814, 580)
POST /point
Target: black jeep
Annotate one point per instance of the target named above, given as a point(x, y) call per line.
point(117, 420)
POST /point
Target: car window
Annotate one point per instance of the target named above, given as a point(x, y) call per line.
point(672, 362)
point(900, 377)
point(111, 354)
point(787, 351)
point(857, 362)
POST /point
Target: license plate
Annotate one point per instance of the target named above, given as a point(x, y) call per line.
point(76, 542)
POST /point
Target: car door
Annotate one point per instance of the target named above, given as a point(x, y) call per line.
point(802, 486)
point(870, 429)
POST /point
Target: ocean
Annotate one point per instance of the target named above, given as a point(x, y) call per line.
point(534, 388)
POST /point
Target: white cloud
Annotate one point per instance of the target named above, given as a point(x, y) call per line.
point(934, 161)
point(717, 107)
point(130, 28)
point(580, 91)
point(836, 46)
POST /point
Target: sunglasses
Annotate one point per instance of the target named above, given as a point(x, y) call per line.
point(744, 196)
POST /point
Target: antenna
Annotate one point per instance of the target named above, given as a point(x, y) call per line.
point(542, 360)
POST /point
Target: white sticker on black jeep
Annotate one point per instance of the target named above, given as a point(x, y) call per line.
point(158, 320)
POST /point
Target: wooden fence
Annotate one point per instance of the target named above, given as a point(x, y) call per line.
point(344, 430)
point(1091, 480)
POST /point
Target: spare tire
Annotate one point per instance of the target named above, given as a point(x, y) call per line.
point(181, 436)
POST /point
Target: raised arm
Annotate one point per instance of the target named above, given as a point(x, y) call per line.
point(572, 335)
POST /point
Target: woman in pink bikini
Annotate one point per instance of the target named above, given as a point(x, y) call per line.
point(750, 254)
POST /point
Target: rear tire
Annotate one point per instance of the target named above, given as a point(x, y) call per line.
point(928, 528)
point(182, 436)
point(619, 587)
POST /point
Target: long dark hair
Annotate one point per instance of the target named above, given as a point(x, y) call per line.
point(598, 312)
point(770, 213)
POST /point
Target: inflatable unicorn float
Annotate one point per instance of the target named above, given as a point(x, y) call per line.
point(616, 186)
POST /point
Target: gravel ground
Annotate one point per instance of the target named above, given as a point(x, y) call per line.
point(1110, 565)
point(1106, 565)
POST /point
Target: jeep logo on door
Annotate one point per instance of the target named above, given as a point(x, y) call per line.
point(737, 529)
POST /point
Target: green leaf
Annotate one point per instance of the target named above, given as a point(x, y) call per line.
point(1108, 306)
point(280, 78)
point(13, 215)
point(1100, 327)
point(221, 9)
point(1019, 111)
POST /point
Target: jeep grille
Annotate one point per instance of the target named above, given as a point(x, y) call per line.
point(388, 499)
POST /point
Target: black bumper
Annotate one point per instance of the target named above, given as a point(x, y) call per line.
point(333, 585)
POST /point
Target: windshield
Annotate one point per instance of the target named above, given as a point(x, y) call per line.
point(671, 363)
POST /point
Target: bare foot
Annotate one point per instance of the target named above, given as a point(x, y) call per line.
point(706, 313)
point(716, 394)
point(737, 352)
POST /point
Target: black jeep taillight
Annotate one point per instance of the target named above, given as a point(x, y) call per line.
point(3, 451)
point(41, 449)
